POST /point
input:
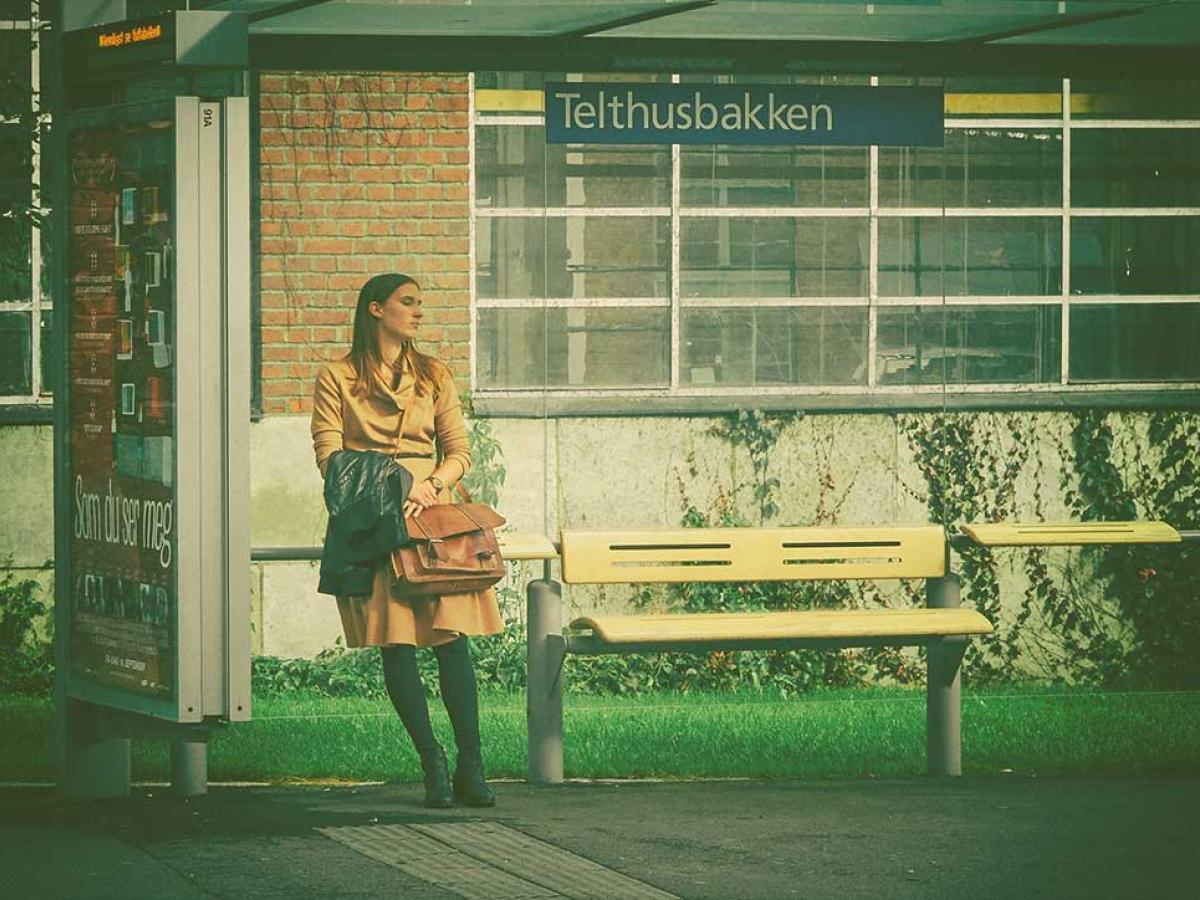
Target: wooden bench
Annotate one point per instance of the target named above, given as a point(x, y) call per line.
point(746, 555)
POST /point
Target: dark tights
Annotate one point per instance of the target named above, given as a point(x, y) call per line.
point(459, 694)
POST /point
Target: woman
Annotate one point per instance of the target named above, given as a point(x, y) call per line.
point(388, 397)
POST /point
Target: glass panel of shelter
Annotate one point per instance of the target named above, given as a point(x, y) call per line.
point(824, 267)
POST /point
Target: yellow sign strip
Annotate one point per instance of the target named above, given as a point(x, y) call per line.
point(1003, 104)
point(491, 100)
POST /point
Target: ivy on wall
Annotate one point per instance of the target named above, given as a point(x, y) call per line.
point(970, 463)
point(1107, 615)
point(757, 434)
point(1147, 474)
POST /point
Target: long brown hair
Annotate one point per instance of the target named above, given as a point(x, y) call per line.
point(364, 351)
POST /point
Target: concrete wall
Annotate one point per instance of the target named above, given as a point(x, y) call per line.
point(28, 531)
point(619, 473)
point(27, 535)
point(631, 473)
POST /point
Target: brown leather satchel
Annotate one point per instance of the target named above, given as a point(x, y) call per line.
point(453, 550)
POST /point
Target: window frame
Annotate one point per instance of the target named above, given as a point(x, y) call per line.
point(675, 396)
point(34, 406)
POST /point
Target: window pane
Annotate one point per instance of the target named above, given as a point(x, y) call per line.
point(978, 167)
point(968, 345)
point(516, 167)
point(1147, 167)
point(745, 346)
point(983, 257)
point(1127, 99)
point(773, 257)
point(15, 180)
point(16, 165)
point(580, 347)
point(15, 349)
point(1135, 255)
point(14, 258)
point(47, 351)
point(15, 61)
point(730, 175)
point(573, 256)
point(1138, 342)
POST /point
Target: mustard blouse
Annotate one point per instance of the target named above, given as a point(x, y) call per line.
point(396, 422)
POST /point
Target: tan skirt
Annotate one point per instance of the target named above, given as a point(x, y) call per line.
point(388, 617)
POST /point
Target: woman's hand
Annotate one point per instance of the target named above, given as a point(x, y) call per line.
point(422, 496)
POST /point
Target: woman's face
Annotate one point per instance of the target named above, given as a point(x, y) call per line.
point(400, 314)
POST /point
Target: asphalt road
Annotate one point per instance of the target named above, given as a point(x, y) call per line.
point(974, 837)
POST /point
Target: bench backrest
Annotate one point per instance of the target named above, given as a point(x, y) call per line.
point(752, 554)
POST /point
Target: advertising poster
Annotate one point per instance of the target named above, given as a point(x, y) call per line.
point(122, 456)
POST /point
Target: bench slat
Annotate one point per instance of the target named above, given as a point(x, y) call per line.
point(752, 554)
point(525, 545)
point(817, 625)
point(1030, 534)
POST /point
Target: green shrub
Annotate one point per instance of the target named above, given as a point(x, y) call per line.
point(26, 660)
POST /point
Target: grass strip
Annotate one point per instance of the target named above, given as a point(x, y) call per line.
point(833, 734)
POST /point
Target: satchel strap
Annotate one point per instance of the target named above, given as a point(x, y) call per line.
point(462, 492)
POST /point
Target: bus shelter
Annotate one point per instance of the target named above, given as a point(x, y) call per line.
point(684, 207)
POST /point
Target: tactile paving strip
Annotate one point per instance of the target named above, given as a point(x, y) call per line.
point(485, 859)
point(430, 860)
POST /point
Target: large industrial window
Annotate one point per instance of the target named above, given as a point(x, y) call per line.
point(24, 319)
point(1052, 244)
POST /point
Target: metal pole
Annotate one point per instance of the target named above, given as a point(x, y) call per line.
point(544, 650)
point(943, 701)
point(189, 768)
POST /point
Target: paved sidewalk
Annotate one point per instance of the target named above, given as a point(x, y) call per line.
point(976, 837)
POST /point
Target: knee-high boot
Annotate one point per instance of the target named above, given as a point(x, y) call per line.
point(407, 694)
point(461, 696)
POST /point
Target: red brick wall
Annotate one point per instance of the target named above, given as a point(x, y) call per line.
point(360, 174)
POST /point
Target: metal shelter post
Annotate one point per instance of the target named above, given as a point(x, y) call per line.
point(943, 702)
point(544, 655)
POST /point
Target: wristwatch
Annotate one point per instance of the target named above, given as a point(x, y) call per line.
point(437, 483)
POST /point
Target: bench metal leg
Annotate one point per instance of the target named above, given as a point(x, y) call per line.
point(544, 656)
point(943, 703)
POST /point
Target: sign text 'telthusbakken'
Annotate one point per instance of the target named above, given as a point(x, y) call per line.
point(624, 113)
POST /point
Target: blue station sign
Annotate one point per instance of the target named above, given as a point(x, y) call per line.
point(624, 113)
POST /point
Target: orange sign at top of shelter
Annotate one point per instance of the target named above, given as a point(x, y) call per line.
point(137, 35)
